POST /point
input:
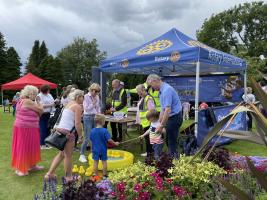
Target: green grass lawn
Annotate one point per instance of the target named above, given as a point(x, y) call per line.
point(24, 188)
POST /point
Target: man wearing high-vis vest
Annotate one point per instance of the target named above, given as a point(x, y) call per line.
point(151, 92)
point(145, 104)
point(119, 104)
point(171, 112)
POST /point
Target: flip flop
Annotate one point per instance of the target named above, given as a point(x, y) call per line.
point(19, 173)
point(36, 168)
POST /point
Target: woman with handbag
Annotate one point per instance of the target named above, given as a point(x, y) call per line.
point(26, 133)
point(69, 122)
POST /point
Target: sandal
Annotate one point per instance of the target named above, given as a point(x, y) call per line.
point(36, 168)
point(49, 177)
point(19, 173)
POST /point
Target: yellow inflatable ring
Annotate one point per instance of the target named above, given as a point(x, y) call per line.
point(116, 159)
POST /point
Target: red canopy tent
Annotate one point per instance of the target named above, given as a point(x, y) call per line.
point(28, 79)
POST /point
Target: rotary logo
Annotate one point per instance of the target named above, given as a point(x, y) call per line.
point(175, 56)
point(199, 44)
point(154, 47)
point(124, 63)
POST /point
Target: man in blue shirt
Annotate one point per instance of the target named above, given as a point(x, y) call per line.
point(171, 112)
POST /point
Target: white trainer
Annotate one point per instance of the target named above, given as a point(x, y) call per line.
point(82, 159)
point(144, 154)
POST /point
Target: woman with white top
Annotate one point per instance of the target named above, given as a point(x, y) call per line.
point(47, 101)
point(249, 98)
point(91, 107)
point(69, 123)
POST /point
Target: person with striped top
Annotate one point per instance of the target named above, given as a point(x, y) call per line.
point(156, 138)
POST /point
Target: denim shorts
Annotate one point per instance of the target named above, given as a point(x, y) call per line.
point(100, 156)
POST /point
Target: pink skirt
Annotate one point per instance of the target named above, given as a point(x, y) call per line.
point(25, 148)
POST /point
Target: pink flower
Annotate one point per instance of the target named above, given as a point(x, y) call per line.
point(159, 187)
point(122, 197)
point(113, 193)
point(179, 191)
point(144, 196)
point(120, 187)
point(137, 187)
point(154, 174)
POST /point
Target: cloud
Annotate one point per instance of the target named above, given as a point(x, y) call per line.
point(118, 25)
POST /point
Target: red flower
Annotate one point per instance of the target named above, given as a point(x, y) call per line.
point(154, 174)
point(145, 184)
point(169, 180)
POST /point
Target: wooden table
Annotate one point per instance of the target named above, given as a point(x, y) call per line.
point(123, 121)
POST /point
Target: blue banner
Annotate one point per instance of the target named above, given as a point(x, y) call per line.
point(216, 88)
point(207, 118)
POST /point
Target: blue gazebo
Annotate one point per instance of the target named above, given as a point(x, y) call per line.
point(175, 54)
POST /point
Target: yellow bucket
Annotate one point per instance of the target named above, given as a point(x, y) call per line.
point(116, 159)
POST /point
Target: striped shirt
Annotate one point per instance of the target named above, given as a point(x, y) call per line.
point(154, 137)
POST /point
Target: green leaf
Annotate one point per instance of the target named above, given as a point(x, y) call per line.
point(244, 135)
point(259, 92)
point(262, 75)
point(235, 190)
point(260, 176)
point(217, 127)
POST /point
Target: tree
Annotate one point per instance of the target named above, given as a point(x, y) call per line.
point(43, 52)
point(51, 70)
point(12, 71)
point(78, 58)
point(34, 59)
point(2, 58)
point(242, 28)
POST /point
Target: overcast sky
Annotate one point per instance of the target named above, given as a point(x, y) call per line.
point(118, 25)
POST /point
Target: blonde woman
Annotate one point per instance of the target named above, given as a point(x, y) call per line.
point(26, 133)
point(145, 104)
point(69, 123)
point(91, 107)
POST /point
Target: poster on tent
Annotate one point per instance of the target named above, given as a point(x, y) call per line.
point(216, 88)
point(205, 124)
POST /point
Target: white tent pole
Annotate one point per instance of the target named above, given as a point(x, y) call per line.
point(102, 92)
point(245, 83)
point(197, 96)
point(2, 91)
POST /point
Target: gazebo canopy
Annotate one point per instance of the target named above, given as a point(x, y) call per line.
point(173, 53)
point(28, 79)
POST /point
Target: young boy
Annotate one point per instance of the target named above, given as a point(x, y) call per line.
point(99, 138)
point(155, 138)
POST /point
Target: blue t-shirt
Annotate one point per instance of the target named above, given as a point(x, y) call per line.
point(169, 98)
point(99, 138)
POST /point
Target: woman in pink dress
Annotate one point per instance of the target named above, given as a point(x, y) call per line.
point(26, 133)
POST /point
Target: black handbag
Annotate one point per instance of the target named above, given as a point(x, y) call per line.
point(56, 139)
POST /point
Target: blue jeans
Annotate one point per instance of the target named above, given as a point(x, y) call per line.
point(157, 150)
point(43, 123)
point(173, 125)
point(88, 125)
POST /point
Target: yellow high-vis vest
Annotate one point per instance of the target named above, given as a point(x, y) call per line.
point(143, 110)
point(155, 95)
point(117, 102)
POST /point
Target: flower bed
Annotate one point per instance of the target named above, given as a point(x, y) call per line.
point(165, 179)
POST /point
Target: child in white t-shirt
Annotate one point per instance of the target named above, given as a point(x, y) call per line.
point(156, 139)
